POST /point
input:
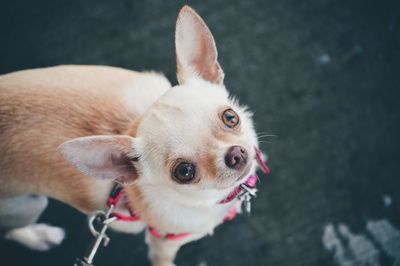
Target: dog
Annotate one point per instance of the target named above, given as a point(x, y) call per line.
point(179, 152)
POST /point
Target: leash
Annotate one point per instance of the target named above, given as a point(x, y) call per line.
point(100, 236)
point(244, 192)
point(104, 219)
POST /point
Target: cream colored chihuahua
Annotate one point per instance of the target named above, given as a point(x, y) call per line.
point(70, 132)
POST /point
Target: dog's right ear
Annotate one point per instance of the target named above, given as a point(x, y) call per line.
point(196, 52)
point(108, 157)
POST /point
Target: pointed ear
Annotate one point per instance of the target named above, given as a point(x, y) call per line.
point(108, 157)
point(196, 53)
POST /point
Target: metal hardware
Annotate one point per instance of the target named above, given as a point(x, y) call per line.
point(105, 218)
point(246, 195)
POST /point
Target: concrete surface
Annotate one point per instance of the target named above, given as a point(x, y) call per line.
point(321, 75)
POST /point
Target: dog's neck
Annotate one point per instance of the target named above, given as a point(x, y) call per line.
point(176, 216)
point(133, 127)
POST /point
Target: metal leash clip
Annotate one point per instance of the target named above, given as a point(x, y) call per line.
point(246, 195)
point(104, 218)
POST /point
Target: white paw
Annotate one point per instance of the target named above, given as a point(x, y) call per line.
point(39, 237)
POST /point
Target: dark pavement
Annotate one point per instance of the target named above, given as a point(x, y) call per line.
point(321, 75)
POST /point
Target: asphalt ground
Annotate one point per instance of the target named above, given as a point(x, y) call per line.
point(322, 76)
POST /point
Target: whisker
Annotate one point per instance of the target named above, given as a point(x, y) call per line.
point(267, 135)
point(264, 141)
point(262, 132)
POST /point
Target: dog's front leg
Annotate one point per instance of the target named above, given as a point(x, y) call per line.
point(162, 251)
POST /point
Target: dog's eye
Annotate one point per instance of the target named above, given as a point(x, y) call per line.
point(184, 172)
point(230, 118)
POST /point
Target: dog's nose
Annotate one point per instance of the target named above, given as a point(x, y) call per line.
point(236, 157)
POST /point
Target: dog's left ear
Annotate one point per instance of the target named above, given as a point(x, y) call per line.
point(196, 52)
point(108, 157)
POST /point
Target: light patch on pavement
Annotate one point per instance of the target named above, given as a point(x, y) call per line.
point(350, 249)
point(388, 237)
point(387, 201)
point(324, 59)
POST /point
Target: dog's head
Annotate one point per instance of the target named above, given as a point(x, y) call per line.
point(195, 141)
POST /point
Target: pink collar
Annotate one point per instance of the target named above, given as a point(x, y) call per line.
point(117, 193)
point(251, 182)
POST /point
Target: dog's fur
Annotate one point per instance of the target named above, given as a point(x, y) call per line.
point(113, 123)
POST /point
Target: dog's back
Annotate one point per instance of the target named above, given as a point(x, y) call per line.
point(42, 108)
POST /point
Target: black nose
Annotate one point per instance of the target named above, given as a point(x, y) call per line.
point(236, 157)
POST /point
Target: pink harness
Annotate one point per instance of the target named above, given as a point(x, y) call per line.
point(117, 193)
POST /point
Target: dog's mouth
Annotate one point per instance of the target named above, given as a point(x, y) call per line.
point(244, 175)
